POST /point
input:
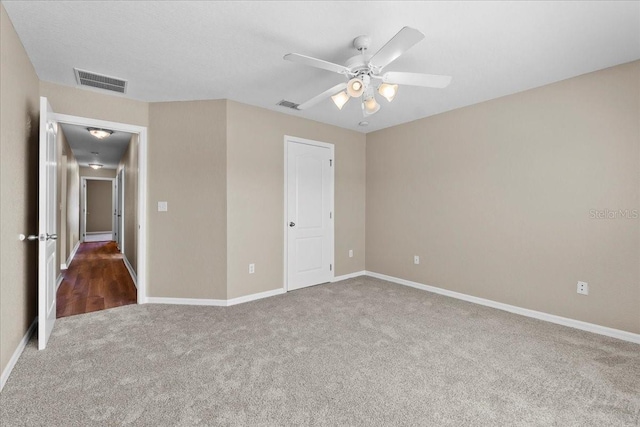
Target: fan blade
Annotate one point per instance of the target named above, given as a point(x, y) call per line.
point(324, 95)
point(317, 63)
point(395, 47)
point(416, 79)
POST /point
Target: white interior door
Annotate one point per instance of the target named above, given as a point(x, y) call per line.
point(309, 213)
point(47, 236)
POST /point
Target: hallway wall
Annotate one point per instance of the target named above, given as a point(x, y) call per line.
point(130, 164)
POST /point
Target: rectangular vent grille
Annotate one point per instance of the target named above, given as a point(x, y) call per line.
point(87, 78)
point(288, 104)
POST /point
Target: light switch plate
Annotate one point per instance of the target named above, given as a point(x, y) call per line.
point(163, 207)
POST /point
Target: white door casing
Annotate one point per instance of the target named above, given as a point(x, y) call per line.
point(120, 210)
point(309, 212)
point(47, 236)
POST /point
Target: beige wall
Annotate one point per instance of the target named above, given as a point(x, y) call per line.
point(73, 204)
point(187, 169)
point(255, 195)
point(130, 164)
point(98, 173)
point(94, 105)
point(19, 115)
point(67, 188)
point(99, 206)
point(496, 199)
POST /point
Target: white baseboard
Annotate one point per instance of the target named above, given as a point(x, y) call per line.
point(253, 297)
point(71, 255)
point(187, 301)
point(348, 276)
point(98, 236)
point(59, 281)
point(132, 273)
point(16, 354)
point(572, 323)
point(214, 302)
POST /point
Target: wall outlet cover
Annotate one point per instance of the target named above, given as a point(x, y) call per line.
point(583, 288)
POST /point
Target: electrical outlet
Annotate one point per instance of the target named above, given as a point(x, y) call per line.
point(583, 288)
point(416, 259)
point(252, 268)
point(350, 253)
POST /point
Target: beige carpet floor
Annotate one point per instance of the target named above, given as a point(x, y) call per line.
point(360, 352)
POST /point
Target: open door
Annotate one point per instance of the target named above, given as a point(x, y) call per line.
point(47, 224)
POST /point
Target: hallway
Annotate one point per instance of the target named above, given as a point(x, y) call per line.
point(97, 279)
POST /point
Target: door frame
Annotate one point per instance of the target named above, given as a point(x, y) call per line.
point(141, 131)
point(83, 203)
point(285, 222)
point(120, 208)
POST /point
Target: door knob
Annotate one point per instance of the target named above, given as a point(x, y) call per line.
point(292, 224)
point(52, 236)
point(30, 237)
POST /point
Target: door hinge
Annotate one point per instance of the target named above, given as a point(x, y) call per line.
point(330, 267)
point(330, 162)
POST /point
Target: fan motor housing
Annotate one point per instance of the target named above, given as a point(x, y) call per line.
point(358, 64)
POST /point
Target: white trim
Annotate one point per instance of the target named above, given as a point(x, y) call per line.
point(59, 281)
point(98, 237)
point(187, 301)
point(16, 354)
point(254, 297)
point(216, 302)
point(71, 255)
point(142, 187)
point(348, 276)
point(331, 147)
point(141, 269)
point(552, 318)
point(120, 207)
point(130, 268)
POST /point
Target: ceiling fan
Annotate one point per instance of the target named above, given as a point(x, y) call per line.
point(365, 76)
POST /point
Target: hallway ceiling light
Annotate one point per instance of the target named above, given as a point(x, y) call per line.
point(95, 165)
point(100, 133)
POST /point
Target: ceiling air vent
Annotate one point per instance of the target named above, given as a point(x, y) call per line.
point(87, 78)
point(288, 104)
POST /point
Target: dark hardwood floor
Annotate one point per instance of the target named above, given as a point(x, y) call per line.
point(96, 279)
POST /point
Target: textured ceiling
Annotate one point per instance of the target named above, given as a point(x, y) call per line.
point(211, 50)
point(84, 146)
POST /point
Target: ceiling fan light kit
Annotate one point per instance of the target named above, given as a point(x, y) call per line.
point(355, 87)
point(362, 69)
point(340, 99)
point(388, 91)
point(370, 105)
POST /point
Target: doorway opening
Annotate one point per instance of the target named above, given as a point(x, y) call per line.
point(101, 253)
